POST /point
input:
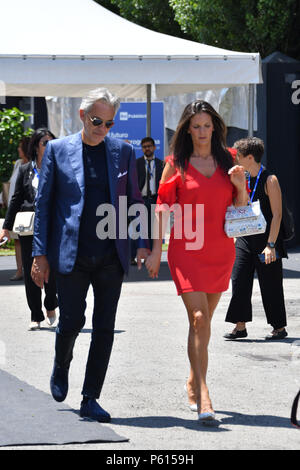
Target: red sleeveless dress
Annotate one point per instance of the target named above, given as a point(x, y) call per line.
point(200, 254)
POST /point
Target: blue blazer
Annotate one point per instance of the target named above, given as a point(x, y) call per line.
point(60, 198)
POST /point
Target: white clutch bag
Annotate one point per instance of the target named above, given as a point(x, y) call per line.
point(24, 223)
point(244, 220)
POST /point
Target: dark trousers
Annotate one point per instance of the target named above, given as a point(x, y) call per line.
point(271, 288)
point(149, 202)
point(33, 292)
point(105, 274)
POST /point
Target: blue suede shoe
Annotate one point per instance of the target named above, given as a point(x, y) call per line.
point(91, 409)
point(59, 383)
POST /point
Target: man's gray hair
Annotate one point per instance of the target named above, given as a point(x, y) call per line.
point(99, 94)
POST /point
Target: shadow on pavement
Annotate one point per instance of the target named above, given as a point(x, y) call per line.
point(233, 418)
point(134, 275)
point(290, 274)
point(161, 422)
point(265, 421)
point(142, 276)
point(5, 275)
point(288, 339)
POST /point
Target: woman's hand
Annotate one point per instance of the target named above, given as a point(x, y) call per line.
point(270, 255)
point(4, 234)
point(153, 264)
point(237, 177)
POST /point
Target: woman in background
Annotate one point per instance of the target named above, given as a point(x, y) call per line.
point(23, 152)
point(23, 201)
point(262, 253)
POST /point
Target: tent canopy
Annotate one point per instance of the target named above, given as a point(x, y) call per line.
point(67, 47)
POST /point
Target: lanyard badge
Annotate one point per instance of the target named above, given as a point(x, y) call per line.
point(256, 182)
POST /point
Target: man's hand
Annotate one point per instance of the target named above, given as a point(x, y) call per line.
point(40, 271)
point(142, 254)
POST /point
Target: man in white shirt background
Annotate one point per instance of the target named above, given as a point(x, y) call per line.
point(149, 169)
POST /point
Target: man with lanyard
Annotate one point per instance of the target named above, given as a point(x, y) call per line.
point(149, 170)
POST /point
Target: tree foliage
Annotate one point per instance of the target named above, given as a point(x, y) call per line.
point(157, 15)
point(11, 132)
point(248, 25)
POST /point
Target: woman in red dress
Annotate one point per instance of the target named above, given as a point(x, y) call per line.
point(200, 181)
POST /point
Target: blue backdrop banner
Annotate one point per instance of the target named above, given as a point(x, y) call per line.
point(131, 125)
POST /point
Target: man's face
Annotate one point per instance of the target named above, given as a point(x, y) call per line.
point(94, 135)
point(148, 149)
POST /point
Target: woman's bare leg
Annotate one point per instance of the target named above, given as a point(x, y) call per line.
point(19, 272)
point(200, 307)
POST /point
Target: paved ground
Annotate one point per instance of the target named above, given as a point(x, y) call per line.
point(252, 382)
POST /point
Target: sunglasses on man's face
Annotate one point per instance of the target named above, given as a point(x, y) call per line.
point(97, 122)
point(45, 142)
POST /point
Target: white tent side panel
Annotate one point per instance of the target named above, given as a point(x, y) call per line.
point(73, 77)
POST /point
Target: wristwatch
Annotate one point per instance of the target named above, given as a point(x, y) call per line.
point(271, 244)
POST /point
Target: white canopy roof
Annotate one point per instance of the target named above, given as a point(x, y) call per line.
point(67, 47)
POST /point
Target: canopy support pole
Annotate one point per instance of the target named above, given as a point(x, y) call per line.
point(32, 111)
point(251, 98)
point(148, 110)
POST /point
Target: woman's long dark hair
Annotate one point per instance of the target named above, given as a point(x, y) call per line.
point(182, 145)
point(24, 144)
point(35, 140)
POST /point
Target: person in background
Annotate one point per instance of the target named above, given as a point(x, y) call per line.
point(23, 152)
point(82, 173)
point(202, 176)
point(260, 253)
point(149, 170)
point(23, 200)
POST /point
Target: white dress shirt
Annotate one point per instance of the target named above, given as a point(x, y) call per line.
point(152, 176)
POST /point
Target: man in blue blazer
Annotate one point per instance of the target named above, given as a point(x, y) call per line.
point(79, 233)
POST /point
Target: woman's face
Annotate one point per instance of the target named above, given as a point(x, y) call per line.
point(21, 153)
point(42, 146)
point(201, 129)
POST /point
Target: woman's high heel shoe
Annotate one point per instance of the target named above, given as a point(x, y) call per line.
point(208, 416)
point(51, 320)
point(194, 406)
point(34, 326)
